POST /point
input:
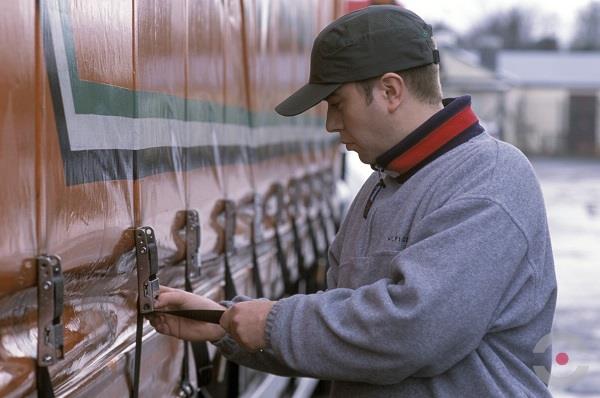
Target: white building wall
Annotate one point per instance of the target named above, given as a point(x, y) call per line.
point(511, 116)
point(536, 119)
point(598, 123)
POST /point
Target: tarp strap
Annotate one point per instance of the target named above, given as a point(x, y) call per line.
point(299, 252)
point(44, 383)
point(256, 278)
point(232, 368)
point(276, 193)
point(148, 286)
point(329, 184)
point(255, 232)
point(200, 353)
point(321, 284)
point(289, 287)
point(311, 273)
point(293, 211)
point(139, 329)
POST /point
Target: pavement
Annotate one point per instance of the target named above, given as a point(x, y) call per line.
point(571, 190)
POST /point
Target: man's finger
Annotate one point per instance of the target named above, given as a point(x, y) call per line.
point(173, 298)
point(153, 319)
point(164, 289)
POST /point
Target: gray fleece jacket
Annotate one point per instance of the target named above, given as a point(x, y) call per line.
point(443, 291)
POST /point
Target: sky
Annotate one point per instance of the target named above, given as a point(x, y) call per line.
point(559, 16)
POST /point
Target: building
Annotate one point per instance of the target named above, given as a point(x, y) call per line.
point(461, 72)
point(552, 105)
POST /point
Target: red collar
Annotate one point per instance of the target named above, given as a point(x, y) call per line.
point(450, 127)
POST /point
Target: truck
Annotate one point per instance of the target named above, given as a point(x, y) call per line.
point(138, 147)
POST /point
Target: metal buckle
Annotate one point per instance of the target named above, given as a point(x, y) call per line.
point(186, 390)
point(192, 237)
point(294, 192)
point(204, 374)
point(276, 193)
point(257, 218)
point(50, 310)
point(229, 230)
point(147, 268)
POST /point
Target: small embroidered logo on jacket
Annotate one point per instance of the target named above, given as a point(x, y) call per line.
point(402, 239)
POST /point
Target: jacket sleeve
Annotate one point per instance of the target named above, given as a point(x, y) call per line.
point(440, 296)
point(265, 360)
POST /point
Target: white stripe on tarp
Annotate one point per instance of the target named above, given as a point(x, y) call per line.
point(90, 132)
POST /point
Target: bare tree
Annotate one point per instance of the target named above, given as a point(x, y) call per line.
point(587, 33)
point(512, 27)
point(517, 28)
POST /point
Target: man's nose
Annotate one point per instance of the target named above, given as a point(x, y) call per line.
point(333, 123)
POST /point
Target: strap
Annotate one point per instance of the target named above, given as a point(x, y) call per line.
point(276, 192)
point(329, 184)
point(254, 238)
point(299, 252)
point(210, 316)
point(200, 353)
point(311, 272)
point(289, 287)
point(256, 279)
point(324, 264)
point(334, 218)
point(186, 390)
point(138, 354)
point(229, 232)
point(323, 225)
point(148, 285)
point(230, 290)
point(204, 366)
point(316, 278)
point(293, 210)
point(232, 368)
point(44, 383)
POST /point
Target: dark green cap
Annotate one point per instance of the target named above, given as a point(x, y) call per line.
point(361, 45)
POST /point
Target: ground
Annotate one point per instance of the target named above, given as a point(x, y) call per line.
point(572, 193)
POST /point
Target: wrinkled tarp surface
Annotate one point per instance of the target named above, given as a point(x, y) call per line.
point(116, 115)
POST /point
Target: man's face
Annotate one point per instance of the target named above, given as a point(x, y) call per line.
point(361, 126)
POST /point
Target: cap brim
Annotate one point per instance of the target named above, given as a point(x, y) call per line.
point(305, 98)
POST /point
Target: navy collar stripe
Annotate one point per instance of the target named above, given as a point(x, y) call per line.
point(448, 128)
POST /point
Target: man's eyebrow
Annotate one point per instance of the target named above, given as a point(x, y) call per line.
point(332, 96)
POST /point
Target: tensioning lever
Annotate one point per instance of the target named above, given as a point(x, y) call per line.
point(210, 316)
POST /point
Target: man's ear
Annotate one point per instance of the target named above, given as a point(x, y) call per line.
point(394, 90)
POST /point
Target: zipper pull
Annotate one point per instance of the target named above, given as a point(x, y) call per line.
point(376, 189)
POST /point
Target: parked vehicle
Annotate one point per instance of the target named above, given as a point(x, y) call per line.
point(139, 146)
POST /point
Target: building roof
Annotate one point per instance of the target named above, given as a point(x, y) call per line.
point(461, 69)
point(550, 68)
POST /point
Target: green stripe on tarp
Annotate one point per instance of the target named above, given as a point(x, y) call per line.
point(106, 100)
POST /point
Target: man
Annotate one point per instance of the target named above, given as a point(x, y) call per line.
point(441, 279)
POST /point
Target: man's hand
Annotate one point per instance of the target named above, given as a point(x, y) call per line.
point(182, 328)
point(246, 322)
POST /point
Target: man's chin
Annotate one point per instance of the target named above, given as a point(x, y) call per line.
point(363, 158)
